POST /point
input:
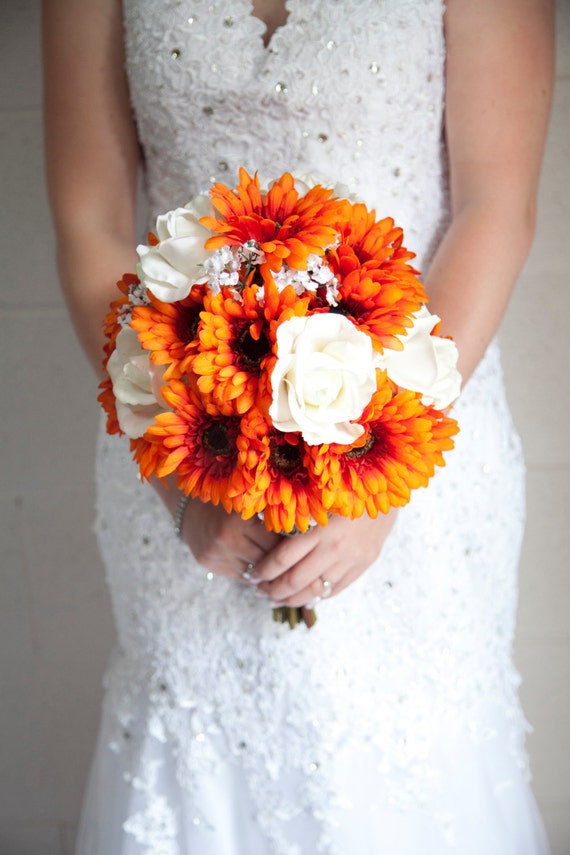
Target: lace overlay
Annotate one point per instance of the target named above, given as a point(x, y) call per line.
point(350, 91)
point(421, 642)
point(204, 685)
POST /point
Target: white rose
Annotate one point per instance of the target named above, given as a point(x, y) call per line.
point(136, 384)
point(324, 376)
point(427, 364)
point(170, 269)
point(305, 182)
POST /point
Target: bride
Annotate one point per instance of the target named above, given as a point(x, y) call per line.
point(393, 725)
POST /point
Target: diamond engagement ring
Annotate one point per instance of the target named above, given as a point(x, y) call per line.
point(327, 587)
point(247, 572)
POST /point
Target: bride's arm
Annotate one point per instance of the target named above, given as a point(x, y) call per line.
point(500, 59)
point(499, 81)
point(92, 156)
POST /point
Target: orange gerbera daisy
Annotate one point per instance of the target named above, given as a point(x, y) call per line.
point(200, 448)
point(379, 298)
point(148, 455)
point(398, 452)
point(274, 465)
point(375, 240)
point(112, 327)
point(286, 227)
point(236, 341)
point(170, 330)
point(107, 400)
point(111, 323)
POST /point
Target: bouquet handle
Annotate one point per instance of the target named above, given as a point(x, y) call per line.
point(294, 615)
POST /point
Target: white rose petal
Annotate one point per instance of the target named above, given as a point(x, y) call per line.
point(170, 269)
point(427, 364)
point(136, 384)
point(180, 222)
point(324, 377)
point(303, 182)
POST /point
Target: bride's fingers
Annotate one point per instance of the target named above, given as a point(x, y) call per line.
point(327, 585)
point(304, 582)
point(338, 552)
point(347, 580)
point(320, 588)
point(288, 553)
point(258, 535)
point(227, 558)
point(310, 595)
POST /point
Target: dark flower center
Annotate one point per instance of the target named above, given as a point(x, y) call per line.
point(219, 438)
point(252, 350)
point(186, 324)
point(340, 309)
point(362, 450)
point(286, 457)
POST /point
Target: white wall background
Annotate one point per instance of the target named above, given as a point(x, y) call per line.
point(55, 621)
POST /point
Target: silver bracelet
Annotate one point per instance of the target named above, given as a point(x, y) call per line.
point(179, 515)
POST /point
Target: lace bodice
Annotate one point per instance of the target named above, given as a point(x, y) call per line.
point(349, 91)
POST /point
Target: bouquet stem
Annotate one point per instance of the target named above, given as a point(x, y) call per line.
point(294, 615)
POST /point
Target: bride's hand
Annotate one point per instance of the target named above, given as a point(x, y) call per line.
point(323, 561)
point(221, 542)
point(225, 543)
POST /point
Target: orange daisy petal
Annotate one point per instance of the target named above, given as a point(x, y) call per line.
point(282, 486)
point(402, 444)
point(199, 448)
point(170, 330)
point(286, 226)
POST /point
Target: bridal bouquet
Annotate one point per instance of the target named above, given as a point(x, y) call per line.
point(274, 353)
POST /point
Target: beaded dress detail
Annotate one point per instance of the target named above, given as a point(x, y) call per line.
point(392, 726)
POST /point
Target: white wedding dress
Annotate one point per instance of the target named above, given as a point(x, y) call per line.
point(393, 726)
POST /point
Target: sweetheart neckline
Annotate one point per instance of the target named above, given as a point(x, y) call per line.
point(278, 31)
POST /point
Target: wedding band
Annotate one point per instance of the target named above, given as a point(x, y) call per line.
point(247, 572)
point(327, 586)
